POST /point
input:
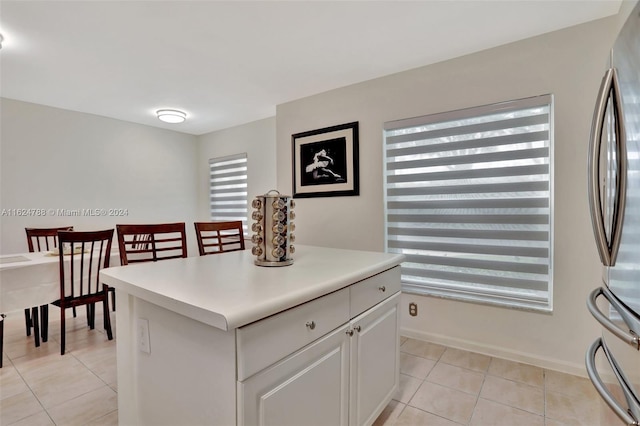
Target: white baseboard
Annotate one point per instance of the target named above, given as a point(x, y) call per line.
point(497, 352)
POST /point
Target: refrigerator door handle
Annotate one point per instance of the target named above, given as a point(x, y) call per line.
point(632, 336)
point(630, 415)
point(608, 250)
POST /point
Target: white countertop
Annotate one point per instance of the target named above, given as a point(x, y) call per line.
point(228, 290)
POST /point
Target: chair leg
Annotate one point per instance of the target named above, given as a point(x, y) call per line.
point(74, 311)
point(27, 321)
point(44, 322)
point(36, 325)
point(1, 338)
point(91, 313)
point(113, 300)
point(105, 314)
point(62, 330)
point(89, 320)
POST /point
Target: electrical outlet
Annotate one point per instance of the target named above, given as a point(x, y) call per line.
point(143, 336)
point(413, 309)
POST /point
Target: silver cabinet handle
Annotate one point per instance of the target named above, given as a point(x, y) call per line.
point(357, 328)
point(632, 337)
point(349, 332)
point(311, 325)
point(629, 416)
point(608, 250)
point(382, 288)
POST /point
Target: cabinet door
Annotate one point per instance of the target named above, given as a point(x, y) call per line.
point(309, 387)
point(375, 361)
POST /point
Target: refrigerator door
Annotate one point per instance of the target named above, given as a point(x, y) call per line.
point(614, 200)
point(622, 337)
point(624, 277)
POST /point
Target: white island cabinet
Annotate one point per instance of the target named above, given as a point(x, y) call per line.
point(216, 340)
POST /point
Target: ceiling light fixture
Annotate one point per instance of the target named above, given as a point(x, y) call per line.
point(172, 116)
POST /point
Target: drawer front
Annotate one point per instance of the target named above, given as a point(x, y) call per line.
point(373, 290)
point(310, 387)
point(266, 341)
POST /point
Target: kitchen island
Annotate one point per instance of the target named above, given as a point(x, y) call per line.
point(217, 340)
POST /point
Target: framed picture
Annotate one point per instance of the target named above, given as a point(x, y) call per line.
point(325, 162)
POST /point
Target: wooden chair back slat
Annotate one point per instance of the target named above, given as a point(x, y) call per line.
point(39, 239)
point(151, 242)
point(219, 237)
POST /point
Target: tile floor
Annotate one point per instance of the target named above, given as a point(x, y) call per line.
point(40, 387)
point(438, 385)
point(443, 386)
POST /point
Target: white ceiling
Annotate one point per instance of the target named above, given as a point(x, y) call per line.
point(231, 62)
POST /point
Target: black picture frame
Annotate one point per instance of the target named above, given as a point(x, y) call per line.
point(325, 162)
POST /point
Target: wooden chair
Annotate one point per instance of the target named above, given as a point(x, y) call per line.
point(41, 239)
point(151, 242)
point(219, 237)
point(80, 278)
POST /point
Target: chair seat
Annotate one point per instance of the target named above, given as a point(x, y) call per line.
point(71, 301)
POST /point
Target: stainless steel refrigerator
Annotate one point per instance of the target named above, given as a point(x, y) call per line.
point(613, 360)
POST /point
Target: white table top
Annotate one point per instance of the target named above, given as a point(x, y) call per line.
point(31, 279)
point(228, 291)
point(27, 283)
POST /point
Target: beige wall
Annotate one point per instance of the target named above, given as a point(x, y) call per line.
point(568, 64)
point(52, 158)
point(59, 159)
point(257, 139)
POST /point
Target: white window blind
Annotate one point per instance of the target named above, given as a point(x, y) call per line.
point(228, 189)
point(468, 200)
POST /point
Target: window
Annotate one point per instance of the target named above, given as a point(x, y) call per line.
point(228, 189)
point(468, 199)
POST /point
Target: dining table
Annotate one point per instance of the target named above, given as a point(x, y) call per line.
point(32, 280)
